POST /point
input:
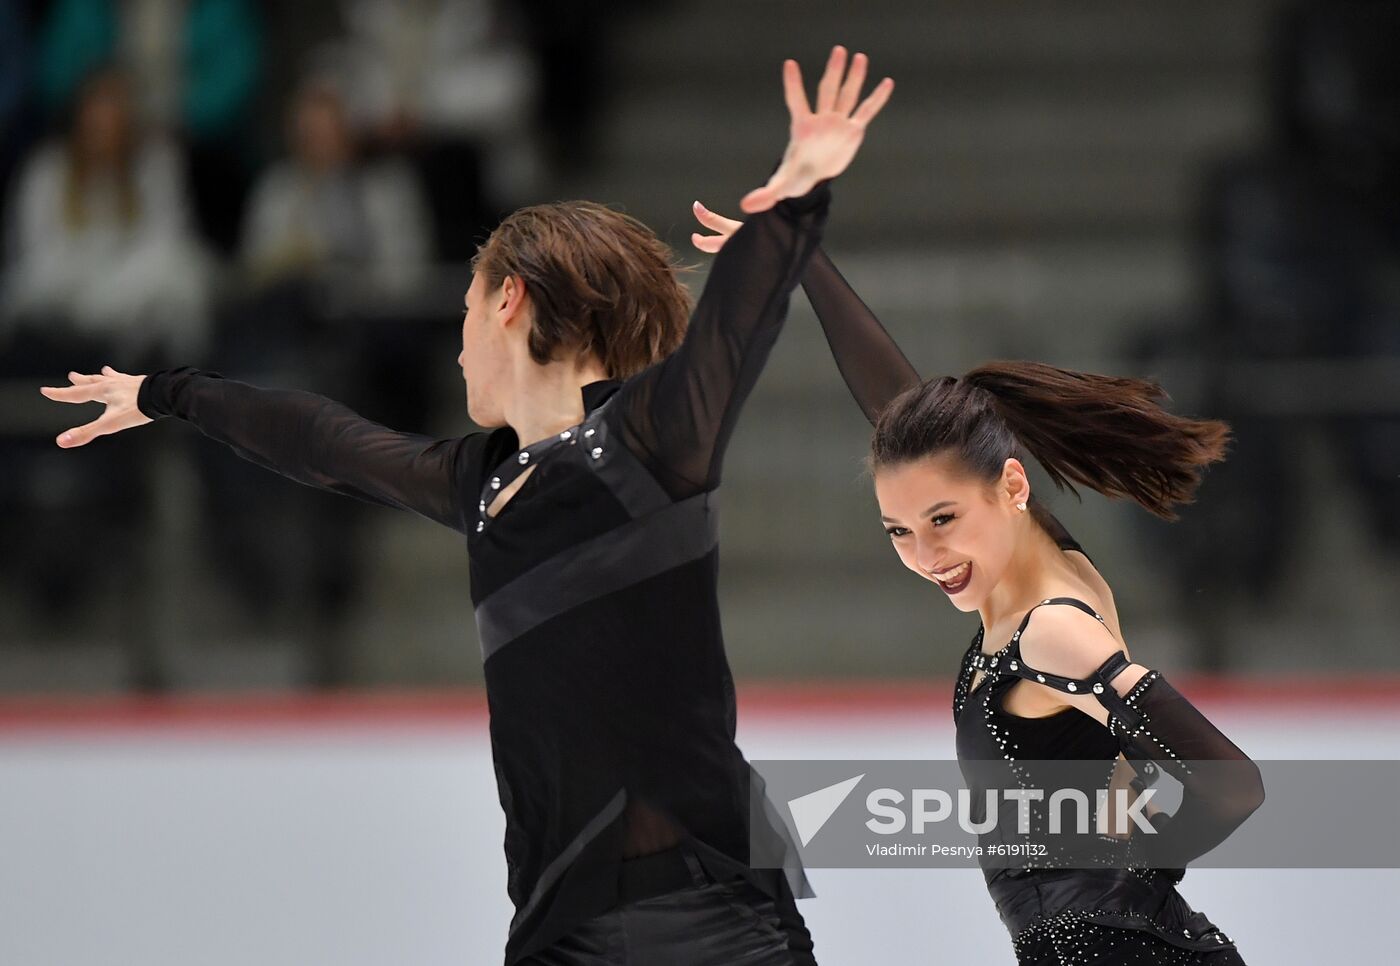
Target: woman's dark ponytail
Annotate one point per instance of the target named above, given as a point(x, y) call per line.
point(1108, 433)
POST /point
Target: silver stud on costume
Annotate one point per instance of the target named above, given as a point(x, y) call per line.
point(524, 458)
point(495, 482)
point(597, 452)
point(566, 434)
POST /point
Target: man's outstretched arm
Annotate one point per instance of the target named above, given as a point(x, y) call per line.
point(303, 436)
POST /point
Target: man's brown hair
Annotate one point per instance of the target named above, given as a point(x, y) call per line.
point(600, 283)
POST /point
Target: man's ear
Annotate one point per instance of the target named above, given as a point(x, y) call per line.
point(512, 301)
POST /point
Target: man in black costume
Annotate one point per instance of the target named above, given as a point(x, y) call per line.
point(589, 513)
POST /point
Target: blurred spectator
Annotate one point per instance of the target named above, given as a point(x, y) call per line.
point(443, 82)
point(323, 217)
point(1344, 116)
point(446, 66)
point(1300, 249)
point(99, 233)
point(14, 88)
point(1337, 87)
point(195, 64)
point(324, 210)
point(570, 39)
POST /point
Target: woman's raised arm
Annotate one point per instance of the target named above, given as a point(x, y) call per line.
point(870, 361)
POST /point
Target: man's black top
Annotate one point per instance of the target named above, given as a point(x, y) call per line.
point(612, 705)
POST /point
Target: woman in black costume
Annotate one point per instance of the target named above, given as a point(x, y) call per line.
point(1047, 677)
point(592, 546)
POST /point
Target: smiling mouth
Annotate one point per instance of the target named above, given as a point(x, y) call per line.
point(954, 580)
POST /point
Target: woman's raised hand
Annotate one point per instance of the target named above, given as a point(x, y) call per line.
point(116, 390)
point(821, 143)
point(716, 223)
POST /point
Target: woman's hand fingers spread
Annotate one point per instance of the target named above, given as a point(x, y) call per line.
point(710, 244)
point(714, 222)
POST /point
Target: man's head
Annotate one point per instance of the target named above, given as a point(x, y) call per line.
point(567, 283)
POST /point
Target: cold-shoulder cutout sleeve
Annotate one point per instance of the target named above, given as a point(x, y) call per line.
point(1158, 729)
point(1221, 786)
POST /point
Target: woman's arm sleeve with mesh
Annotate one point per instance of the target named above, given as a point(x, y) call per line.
point(872, 364)
point(1158, 728)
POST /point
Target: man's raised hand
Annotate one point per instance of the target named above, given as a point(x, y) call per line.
point(821, 142)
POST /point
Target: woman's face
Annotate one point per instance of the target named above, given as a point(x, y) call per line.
point(950, 528)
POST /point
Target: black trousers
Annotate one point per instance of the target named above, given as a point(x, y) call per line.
point(701, 923)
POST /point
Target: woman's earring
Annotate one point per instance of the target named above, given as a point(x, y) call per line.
point(1021, 506)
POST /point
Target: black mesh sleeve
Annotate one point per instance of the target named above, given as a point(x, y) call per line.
point(872, 364)
point(870, 361)
point(678, 415)
point(1158, 728)
point(321, 443)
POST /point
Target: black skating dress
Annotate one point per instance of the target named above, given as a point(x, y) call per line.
point(1128, 911)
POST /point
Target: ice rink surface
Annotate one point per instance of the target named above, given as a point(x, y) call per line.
point(362, 836)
